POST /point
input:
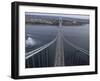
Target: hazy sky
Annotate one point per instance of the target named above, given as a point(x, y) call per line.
point(82, 16)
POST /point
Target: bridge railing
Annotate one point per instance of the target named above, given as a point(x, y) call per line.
point(40, 56)
point(75, 46)
point(31, 53)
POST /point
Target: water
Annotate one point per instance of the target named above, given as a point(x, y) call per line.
point(78, 35)
point(41, 34)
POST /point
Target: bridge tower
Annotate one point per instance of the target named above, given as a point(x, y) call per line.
point(59, 57)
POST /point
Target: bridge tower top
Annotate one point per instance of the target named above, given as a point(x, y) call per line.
point(60, 22)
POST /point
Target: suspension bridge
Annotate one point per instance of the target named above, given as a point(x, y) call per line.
point(59, 59)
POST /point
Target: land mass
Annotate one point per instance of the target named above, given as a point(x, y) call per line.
point(51, 20)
